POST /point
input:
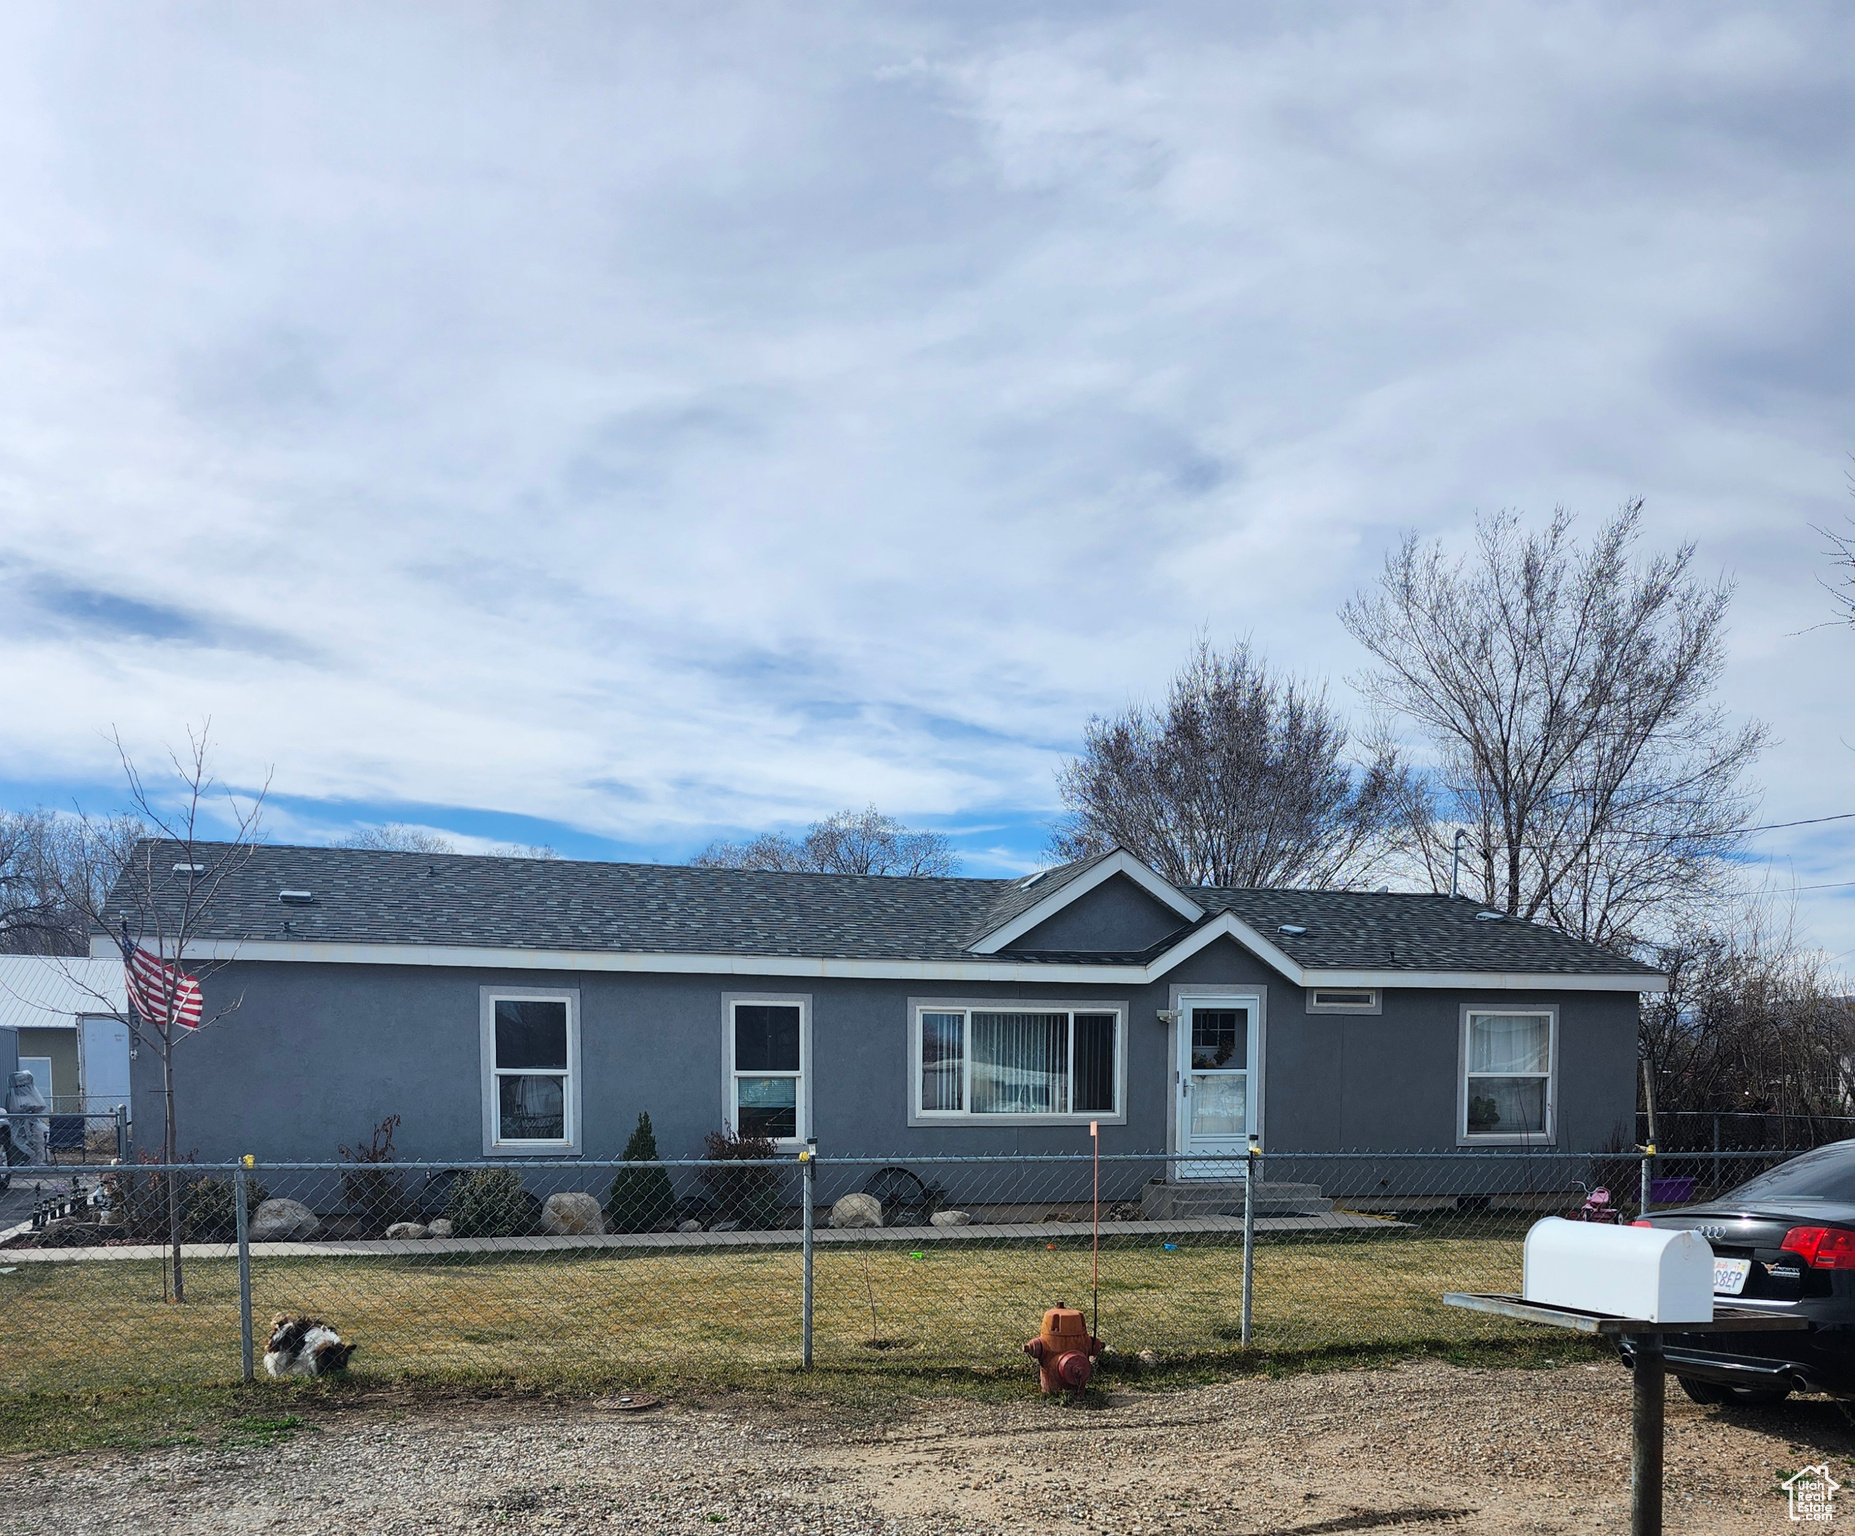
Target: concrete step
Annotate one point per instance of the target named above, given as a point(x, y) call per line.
point(1186, 1198)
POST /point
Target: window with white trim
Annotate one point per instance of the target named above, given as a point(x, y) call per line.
point(767, 1069)
point(1507, 1072)
point(1024, 1063)
point(531, 1052)
point(1343, 1000)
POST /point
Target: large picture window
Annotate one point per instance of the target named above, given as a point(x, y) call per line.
point(1025, 1063)
point(531, 1054)
point(1508, 1058)
point(767, 1069)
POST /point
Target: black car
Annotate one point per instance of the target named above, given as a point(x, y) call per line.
point(1782, 1242)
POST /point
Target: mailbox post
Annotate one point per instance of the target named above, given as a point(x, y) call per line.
point(1647, 1365)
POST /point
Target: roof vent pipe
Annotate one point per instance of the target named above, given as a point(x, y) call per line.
point(1455, 865)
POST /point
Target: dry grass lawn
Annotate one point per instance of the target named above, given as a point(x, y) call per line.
point(563, 1319)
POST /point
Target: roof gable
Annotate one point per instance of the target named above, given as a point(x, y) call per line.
point(1069, 883)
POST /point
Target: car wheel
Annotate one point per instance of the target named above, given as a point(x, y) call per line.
point(1715, 1394)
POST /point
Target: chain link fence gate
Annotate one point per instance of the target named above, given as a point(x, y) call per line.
point(557, 1273)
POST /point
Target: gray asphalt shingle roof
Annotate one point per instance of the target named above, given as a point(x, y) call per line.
point(366, 896)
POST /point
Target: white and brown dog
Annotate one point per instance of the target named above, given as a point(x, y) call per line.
point(304, 1346)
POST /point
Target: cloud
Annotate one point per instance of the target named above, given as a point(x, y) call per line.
point(662, 425)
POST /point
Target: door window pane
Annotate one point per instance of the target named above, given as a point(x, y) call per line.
point(1220, 1039)
point(1094, 1088)
point(766, 1038)
point(1020, 1063)
point(1509, 1042)
point(532, 1107)
point(767, 1106)
point(1507, 1106)
point(1220, 1104)
point(943, 1060)
point(531, 1033)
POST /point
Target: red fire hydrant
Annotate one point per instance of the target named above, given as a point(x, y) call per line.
point(1064, 1351)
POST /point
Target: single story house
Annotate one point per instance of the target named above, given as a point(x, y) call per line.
point(64, 1017)
point(516, 1008)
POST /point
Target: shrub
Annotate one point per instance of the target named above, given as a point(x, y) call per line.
point(375, 1195)
point(490, 1202)
point(209, 1208)
point(640, 1198)
point(752, 1196)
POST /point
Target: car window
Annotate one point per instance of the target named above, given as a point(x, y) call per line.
point(1828, 1173)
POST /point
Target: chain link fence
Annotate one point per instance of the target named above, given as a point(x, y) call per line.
point(552, 1273)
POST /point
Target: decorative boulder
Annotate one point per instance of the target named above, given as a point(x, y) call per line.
point(438, 1228)
point(857, 1211)
point(572, 1215)
point(692, 1225)
point(952, 1219)
point(406, 1231)
point(283, 1221)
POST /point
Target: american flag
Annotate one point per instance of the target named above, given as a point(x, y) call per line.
point(160, 991)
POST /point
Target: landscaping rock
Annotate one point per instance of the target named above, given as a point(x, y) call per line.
point(692, 1225)
point(572, 1215)
point(857, 1211)
point(1148, 1360)
point(726, 1226)
point(438, 1228)
point(952, 1218)
point(283, 1221)
point(407, 1231)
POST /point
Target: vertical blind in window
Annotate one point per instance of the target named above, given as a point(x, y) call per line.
point(1041, 1062)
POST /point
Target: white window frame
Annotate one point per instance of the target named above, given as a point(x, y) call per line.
point(1545, 1138)
point(493, 1143)
point(730, 1109)
point(917, 1006)
point(1374, 1000)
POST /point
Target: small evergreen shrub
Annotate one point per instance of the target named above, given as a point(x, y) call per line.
point(209, 1209)
point(490, 1202)
point(640, 1199)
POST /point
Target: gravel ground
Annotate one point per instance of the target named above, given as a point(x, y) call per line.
point(1424, 1447)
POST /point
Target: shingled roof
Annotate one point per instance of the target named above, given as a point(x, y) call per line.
point(370, 897)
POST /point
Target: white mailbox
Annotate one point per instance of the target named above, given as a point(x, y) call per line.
point(1640, 1272)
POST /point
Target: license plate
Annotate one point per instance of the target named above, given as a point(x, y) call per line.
point(1729, 1276)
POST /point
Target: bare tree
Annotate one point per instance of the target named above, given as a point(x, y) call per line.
point(1241, 780)
point(168, 889)
point(1568, 695)
point(397, 837)
point(52, 867)
point(1752, 1022)
point(862, 842)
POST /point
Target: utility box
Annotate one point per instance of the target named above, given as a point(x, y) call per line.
point(1638, 1272)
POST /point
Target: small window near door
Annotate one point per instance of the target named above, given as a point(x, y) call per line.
point(1343, 1000)
point(768, 1070)
point(1508, 1061)
point(531, 1054)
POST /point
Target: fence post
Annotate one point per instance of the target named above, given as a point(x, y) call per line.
point(808, 1160)
point(1648, 1163)
point(122, 1133)
point(1716, 1153)
point(1249, 1235)
point(242, 1215)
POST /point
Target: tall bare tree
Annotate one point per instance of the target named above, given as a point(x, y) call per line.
point(864, 842)
point(1242, 779)
point(1753, 1021)
point(169, 887)
point(397, 837)
point(52, 866)
point(1568, 693)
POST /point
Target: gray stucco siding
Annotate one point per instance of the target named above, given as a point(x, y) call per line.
point(316, 1054)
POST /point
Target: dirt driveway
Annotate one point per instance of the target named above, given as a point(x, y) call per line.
point(1427, 1447)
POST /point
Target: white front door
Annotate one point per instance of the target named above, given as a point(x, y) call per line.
point(1219, 1086)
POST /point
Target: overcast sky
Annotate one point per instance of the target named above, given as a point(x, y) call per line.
point(618, 426)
